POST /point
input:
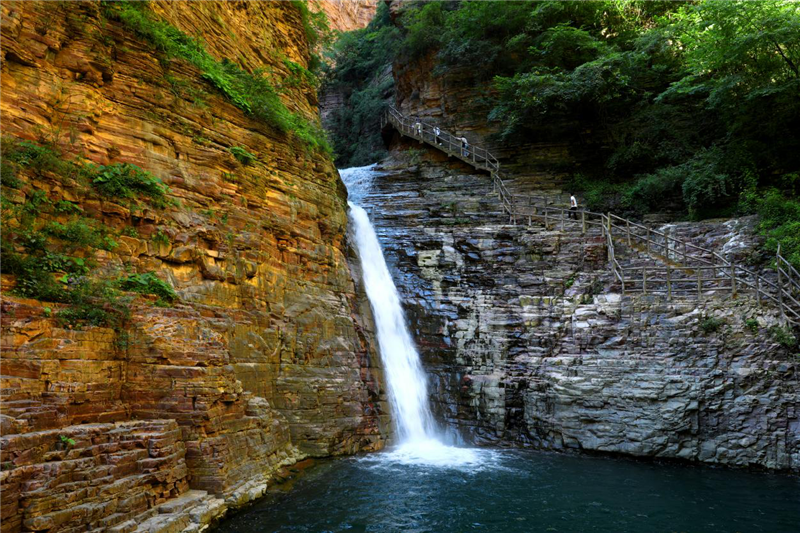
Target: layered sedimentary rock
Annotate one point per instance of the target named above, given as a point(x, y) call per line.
point(267, 355)
point(347, 15)
point(529, 342)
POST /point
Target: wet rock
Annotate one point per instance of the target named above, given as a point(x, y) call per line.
point(581, 367)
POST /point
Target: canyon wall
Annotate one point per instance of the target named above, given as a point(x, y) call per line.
point(529, 342)
point(265, 358)
point(347, 15)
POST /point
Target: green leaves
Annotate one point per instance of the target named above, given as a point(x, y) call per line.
point(149, 283)
point(125, 180)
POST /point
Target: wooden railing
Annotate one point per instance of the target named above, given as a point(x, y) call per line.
point(476, 156)
point(687, 269)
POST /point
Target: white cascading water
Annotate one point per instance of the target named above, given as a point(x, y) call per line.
point(407, 382)
point(419, 440)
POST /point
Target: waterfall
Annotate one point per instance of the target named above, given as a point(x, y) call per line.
point(419, 440)
point(408, 391)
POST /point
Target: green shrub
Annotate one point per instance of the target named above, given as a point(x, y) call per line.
point(160, 238)
point(125, 180)
point(130, 231)
point(8, 177)
point(149, 283)
point(38, 158)
point(779, 221)
point(315, 24)
point(94, 303)
point(62, 206)
point(784, 337)
point(80, 232)
point(711, 324)
point(751, 324)
point(242, 155)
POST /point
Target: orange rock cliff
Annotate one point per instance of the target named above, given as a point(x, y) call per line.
point(265, 356)
point(347, 15)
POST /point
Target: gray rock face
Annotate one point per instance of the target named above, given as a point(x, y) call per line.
point(527, 342)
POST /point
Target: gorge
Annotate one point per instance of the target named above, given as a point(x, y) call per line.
point(202, 316)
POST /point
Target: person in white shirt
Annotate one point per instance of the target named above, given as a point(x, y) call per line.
point(437, 132)
point(573, 207)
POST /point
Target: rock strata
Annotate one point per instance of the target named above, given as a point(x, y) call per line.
point(528, 341)
point(266, 357)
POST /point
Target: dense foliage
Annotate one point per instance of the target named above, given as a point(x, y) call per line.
point(360, 62)
point(693, 107)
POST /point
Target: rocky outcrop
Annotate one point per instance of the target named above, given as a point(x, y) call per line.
point(528, 342)
point(347, 15)
point(267, 355)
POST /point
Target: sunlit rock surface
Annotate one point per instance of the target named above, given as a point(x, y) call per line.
point(347, 15)
point(267, 358)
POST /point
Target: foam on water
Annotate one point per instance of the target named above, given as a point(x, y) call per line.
point(434, 453)
point(420, 442)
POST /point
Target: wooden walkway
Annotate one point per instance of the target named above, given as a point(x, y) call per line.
point(682, 268)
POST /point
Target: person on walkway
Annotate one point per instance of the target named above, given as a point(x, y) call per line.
point(437, 132)
point(573, 207)
point(464, 147)
point(418, 128)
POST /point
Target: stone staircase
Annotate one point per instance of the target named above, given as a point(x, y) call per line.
point(641, 259)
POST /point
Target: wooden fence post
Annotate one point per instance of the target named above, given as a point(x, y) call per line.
point(647, 240)
point(733, 280)
point(628, 229)
point(699, 283)
point(669, 282)
point(583, 222)
point(780, 281)
point(644, 280)
point(758, 290)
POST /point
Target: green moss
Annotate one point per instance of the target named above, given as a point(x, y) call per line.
point(242, 155)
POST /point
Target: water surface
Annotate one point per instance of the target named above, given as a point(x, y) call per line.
point(520, 491)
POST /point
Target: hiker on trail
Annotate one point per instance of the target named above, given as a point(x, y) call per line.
point(418, 128)
point(573, 207)
point(464, 147)
point(437, 132)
